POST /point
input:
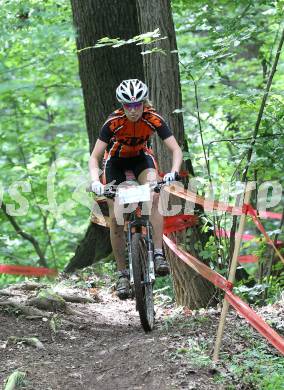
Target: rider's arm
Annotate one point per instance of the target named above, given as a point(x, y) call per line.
point(174, 147)
point(94, 162)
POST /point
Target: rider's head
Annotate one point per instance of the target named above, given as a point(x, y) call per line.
point(132, 94)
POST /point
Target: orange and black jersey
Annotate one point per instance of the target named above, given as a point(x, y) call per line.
point(129, 139)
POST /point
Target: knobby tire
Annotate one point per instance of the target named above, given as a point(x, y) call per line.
point(143, 293)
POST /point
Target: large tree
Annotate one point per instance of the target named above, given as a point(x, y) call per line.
point(101, 70)
point(162, 76)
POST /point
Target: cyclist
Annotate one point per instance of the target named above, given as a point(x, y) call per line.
point(123, 141)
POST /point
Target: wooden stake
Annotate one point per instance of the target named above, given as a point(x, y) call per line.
point(232, 274)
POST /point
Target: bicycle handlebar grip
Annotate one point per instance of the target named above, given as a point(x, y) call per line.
point(177, 176)
point(110, 192)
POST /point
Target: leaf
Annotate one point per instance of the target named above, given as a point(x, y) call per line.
point(178, 110)
point(154, 50)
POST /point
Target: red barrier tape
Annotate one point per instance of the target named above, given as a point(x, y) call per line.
point(198, 266)
point(179, 222)
point(171, 223)
point(269, 214)
point(259, 225)
point(27, 271)
point(246, 237)
point(256, 321)
point(219, 281)
point(248, 259)
point(220, 206)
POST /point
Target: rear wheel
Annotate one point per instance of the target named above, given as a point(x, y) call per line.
point(143, 286)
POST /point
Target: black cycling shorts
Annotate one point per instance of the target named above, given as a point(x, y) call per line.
point(115, 167)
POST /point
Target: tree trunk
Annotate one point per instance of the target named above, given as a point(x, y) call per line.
point(101, 70)
point(162, 71)
point(162, 76)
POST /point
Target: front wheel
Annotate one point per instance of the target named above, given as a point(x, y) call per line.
point(142, 284)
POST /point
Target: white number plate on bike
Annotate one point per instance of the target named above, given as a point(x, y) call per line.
point(134, 194)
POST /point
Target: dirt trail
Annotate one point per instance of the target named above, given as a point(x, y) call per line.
point(104, 347)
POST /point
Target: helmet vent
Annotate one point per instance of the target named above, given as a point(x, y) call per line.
point(131, 91)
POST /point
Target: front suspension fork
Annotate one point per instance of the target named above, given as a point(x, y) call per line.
point(150, 252)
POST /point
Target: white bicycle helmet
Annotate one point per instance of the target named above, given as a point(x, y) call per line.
point(131, 91)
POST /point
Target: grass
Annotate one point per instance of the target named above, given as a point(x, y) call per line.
point(196, 352)
point(256, 367)
point(252, 365)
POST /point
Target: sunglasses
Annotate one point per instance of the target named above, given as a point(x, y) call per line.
point(135, 105)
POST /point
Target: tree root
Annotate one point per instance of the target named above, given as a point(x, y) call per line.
point(33, 341)
point(48, 300)
point(16, 308)
point(28, 286)
point(6, 293)
point(75, 298)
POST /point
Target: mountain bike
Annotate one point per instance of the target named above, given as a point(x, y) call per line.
point(139, 246)
point(140, 250)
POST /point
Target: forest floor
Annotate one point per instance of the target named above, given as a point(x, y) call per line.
point(100, 344)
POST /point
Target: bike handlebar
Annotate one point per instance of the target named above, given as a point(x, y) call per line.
point(110, 191)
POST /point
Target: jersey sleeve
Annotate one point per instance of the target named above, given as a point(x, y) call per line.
point(163, 130)
point(105, 133)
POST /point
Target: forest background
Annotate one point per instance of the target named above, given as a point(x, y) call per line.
point(226, 51)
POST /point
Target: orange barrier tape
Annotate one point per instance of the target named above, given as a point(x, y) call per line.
point(256, 321)
point(207, 204)
point(219, 281)
point(26, 270)
point(210, 205)
point(198, 266)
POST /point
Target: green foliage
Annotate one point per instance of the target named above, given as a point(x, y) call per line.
point(163, 290)
point(226, 49)
point(229, 57)
point(195, 352)
point(256, 368)
point(42, 119)
point(142, 39)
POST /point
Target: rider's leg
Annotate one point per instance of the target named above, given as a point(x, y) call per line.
point(114, 172)
point(161, 265)
point(117, 238)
